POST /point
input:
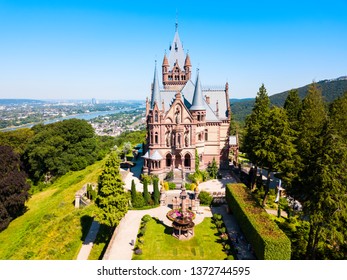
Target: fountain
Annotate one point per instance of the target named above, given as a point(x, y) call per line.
point(183, 225)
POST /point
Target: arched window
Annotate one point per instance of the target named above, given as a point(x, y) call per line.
point(156, 117)
point(199, 137)
point(168, 160)
point(187, 160)
point(156, 138)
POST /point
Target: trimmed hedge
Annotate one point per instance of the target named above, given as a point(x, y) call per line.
point(268, 241)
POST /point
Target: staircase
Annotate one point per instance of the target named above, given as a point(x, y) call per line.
point(178, 178)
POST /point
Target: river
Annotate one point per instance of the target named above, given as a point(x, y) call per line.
point(84, 116)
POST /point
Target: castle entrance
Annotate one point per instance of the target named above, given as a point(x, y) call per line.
point(178, 161)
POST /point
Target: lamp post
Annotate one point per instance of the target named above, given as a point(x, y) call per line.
point(278, 198)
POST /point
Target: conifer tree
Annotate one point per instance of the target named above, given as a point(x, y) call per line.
point(276, 150)
point(326, 201)
point(156, 193)
point(312, 118)
point(338, 116)
point(197, 161)
point(212, 169)
point(146, 195)
point(292, 106)
point(255, 123)
point(112, 199)
point(133, 191)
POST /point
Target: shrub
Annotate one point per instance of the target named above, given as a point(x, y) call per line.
point(166, 185)
point(146, 218)
point(217, 217)
point(205, 198)
point(140, 240)
point(169, 175)
point(172, 186)
point(138, 251)
point(267, 240)
point(139, 201)
point(188, 186)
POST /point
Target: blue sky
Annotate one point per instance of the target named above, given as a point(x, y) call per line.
point(106, 49)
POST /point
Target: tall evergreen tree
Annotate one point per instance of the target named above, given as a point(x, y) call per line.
point(133, 191)
point(326, 201)
point(292, 106)
point(156, 193)
point(255, 123)
point(338, 116)
point(212, 169)
point(197, 161)
point(13, 186)
point(276, 149)
point(146, 195)
point(312, 118)
point(112, 200)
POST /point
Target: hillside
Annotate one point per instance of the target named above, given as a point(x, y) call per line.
point(51, 228)
point(331, 89)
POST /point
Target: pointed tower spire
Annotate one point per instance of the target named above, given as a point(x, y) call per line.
point(155, 89)
point(198, 100)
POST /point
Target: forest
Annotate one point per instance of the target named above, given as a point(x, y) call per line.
point(32, 159)
point(305, 143)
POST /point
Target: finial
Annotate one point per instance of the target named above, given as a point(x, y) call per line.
point(176, 24)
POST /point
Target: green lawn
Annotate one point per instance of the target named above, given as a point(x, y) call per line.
point(51, 228)
point(159, 244)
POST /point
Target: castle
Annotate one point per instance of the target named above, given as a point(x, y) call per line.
point(184, 120)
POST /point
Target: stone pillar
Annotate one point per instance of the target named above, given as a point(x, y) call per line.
point(162, 197)
point(77, 200)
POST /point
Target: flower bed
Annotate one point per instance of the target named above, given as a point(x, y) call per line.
point(173, 214)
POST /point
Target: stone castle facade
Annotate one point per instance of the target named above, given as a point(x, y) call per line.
point(183, 117)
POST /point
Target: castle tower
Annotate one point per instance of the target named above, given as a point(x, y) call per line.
point(177, 66)
point(155, 98)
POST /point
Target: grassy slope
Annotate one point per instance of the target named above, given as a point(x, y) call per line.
point(159, 244)
point(51, 228)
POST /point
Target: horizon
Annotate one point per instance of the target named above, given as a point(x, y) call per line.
point(67, 50)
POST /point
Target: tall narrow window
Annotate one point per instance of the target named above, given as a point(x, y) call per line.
point(206, 135)
point(156, 138)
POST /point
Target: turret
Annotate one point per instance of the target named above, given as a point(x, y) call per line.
point(187, 67)
point(155, 90)
point(165, 69)
point(198, 109)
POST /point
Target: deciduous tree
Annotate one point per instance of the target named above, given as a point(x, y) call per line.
point(13, 186)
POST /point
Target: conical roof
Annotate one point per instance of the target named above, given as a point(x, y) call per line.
point(165, 61)
point(155, 90)
point(198, 100)
point(187, 62)
point(176, 51)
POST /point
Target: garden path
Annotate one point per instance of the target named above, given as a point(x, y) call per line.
point(89, 241)
point(122, 242)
